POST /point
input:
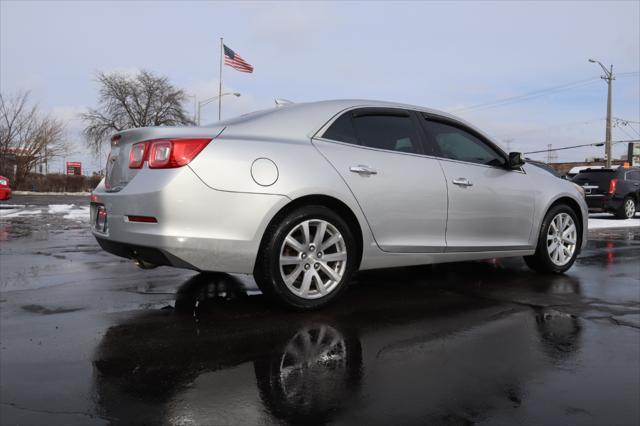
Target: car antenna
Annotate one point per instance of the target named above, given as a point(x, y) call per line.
point(281, 102)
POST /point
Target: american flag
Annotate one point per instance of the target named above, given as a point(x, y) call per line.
point(235, 61)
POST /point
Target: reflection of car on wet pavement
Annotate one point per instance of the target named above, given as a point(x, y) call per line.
point(5, 188)
point(381, 352)
point(614, 191)
point(304, 195)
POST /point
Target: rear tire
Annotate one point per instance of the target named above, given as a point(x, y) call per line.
point(558, 241)
point(628, 208)
point(307, 258)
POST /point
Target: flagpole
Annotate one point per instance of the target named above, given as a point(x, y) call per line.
point(220, 85)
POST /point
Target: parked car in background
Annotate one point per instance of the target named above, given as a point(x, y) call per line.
point(614, 191)
point(5, 188)
point(304, 195)
point(577, 169)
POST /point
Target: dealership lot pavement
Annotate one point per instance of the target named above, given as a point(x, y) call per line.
point(87, 338)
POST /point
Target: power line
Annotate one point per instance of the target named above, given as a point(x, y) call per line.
point(580, 146)
point(627, 74)
point(527, 96)
point(537, 93)
point(618, 122)
point(625, 132)
point(557, 126)
point(626, 121)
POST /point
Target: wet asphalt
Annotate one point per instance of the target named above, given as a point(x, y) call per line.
point(87, 338)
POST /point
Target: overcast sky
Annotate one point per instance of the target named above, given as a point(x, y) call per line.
point(442, 55)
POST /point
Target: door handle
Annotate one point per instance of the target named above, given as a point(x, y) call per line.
point(462, 182)
point(363, 170)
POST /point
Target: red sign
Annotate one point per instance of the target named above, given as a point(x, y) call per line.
point(74, 168)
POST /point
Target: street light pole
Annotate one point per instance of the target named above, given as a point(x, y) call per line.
point(609, 77)
point(208, 101)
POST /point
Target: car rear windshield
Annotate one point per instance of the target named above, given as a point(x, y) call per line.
point(595, 175)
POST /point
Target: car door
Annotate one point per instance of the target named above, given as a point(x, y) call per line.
point(490, 206)
point(402, 193)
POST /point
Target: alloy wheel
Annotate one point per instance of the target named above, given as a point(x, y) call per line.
point(561, 239)
point(313, 259)
point(630, 208)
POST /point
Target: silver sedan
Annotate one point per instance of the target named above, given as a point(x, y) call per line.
point(303, 195)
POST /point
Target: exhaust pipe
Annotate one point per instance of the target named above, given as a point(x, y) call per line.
point(143, 264)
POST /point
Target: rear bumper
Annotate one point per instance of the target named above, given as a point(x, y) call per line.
point(148, 254)
point(197, 227)
point(602, 203)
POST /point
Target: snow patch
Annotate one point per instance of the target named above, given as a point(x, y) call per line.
point(81, 214)
point(603, 220)
point(18, 213)
point(60, 208)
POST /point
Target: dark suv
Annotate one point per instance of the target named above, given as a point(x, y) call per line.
point(615, 191)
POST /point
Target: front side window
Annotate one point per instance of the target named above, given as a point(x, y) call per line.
point(390, 132)
point(457, 144)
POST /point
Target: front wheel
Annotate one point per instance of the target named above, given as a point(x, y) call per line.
point(307, 258)
point(558, 242)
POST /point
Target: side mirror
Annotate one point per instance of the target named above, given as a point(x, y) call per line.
point(515, 160)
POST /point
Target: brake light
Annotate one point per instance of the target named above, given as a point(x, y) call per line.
point(138, 155)
point(115, 140)
point(165, 153)
point(612, 186)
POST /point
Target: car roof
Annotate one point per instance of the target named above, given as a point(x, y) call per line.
point(304, 120)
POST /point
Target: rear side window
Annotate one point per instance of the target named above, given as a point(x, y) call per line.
point(390, 132)
point(342, 130)
point(633, 175)
point(457, 144)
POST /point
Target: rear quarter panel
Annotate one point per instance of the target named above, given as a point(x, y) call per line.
point(225, 164)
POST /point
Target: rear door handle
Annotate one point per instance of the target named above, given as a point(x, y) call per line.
point(363, 170)
point(462, 182)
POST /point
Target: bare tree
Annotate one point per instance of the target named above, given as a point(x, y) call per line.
point(26, 136)
point(127, 101)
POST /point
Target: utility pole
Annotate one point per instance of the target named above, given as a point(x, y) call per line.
point(608, 77)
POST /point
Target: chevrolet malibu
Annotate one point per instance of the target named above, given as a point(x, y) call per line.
point(303, 195)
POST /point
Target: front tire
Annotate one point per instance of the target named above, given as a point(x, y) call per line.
point(558, 241)
point(307, 258)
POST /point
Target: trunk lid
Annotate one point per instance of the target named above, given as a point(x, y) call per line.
point(117, 171)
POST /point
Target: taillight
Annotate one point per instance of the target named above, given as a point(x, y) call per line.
point(137, 155)
point(165, 153)
point(612, 186)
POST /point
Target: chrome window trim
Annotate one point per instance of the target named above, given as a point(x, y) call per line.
point(432, 157)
